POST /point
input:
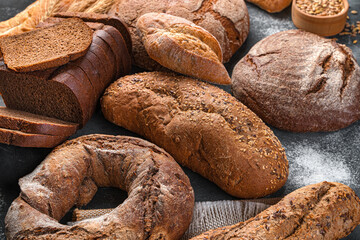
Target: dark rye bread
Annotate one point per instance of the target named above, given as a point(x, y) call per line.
point(69, 93)
point(298, 81)
point(159, 204)
point(325, 210)
point(46, 47)
point(36, 124)
point(105, 19)
point(21, 139)
point(203, 128)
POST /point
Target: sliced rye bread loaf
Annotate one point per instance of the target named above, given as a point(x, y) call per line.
point(21, 139)
point(46, 47)
point(69, 93)
point(35, 124)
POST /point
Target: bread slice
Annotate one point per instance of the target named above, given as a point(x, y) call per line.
point(47, 47)
point(36, 124)
point(21, 139)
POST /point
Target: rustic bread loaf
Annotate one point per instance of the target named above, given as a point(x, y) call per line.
point(45, 48)
point(271, 6)
point(69, 93)
point(159, 203)
point(31, 123)
point(182, 46)
point(227, 20)
point(324, 210)
point(203, 128)
point(298, 81)
point(34, 140)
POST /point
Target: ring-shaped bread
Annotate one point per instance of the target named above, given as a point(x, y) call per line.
point(157, 189)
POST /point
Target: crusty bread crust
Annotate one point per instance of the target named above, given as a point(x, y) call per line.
point(271, 6)
point(182, 46)
point(298, 81)
point(159, 204)
point(203, 128)
point(324, 210)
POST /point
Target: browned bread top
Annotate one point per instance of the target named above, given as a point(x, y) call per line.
point(298, 81)
point(227, 20)
point(182, 46)
point(159, 204)
point(32, 123)
point(46, 47)
point(324, 210)
point(271, 6)
point(203, 128)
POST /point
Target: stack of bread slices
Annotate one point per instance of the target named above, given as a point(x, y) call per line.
point(52, 77)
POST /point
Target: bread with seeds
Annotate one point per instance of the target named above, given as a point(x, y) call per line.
point(203, 127)
point(325, 210)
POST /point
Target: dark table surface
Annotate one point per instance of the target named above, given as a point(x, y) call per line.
point(313, 157)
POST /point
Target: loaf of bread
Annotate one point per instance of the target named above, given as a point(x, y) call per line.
point(227, 20)
point(48, 47)
point(203, 128)
point(159, 204)
point(271, 6)
point(70, 92)
point(182, 46)
point(298, 81)
point(325, 210)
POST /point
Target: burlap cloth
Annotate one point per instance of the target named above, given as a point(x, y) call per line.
point(207, 215)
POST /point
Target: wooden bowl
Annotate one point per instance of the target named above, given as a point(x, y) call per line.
point(321, 25)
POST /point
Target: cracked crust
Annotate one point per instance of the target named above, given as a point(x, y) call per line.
point(227, 20)
point(298, 81)
point(271, 6)
point(324, 210)
point(157, 190)
point(203, 128)
point(182, 46)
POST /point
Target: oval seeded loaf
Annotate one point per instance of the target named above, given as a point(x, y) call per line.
point(203, 128)
point(325, 210)
point(298, 81)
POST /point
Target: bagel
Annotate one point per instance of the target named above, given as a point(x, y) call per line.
point(157, 189)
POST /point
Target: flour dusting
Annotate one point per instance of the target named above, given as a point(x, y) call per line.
point(267, 24)
point(309, 165)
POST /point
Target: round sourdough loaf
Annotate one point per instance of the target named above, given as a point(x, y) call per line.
point(227, 20)
point(159, 204)
point(203, 127)
point(298, 81)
